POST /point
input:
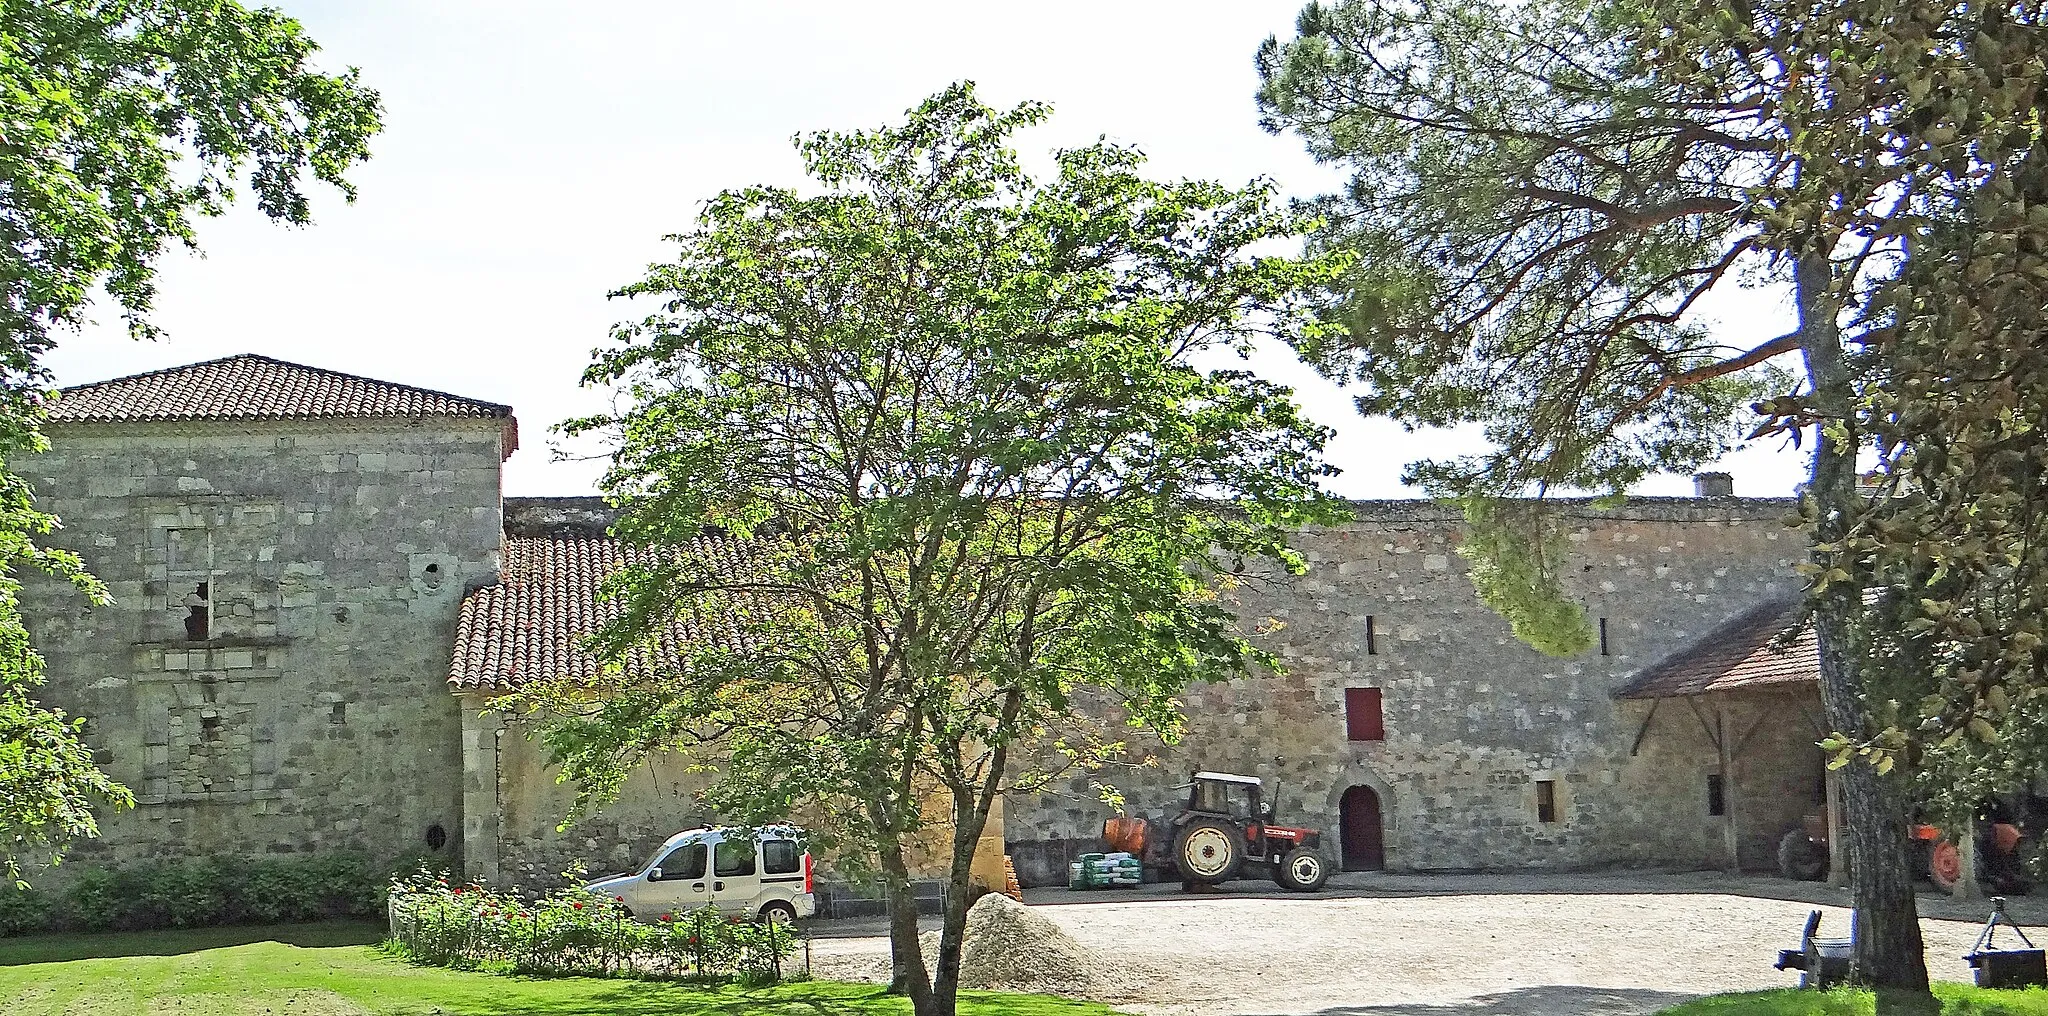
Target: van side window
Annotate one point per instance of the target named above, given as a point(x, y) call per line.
point(735, 857)
point(781, 857)
point(686, 861)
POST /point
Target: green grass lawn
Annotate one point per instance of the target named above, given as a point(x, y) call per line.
point(1953, 1000)
point(335, 970)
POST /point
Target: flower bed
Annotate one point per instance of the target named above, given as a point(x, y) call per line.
point(574, 931)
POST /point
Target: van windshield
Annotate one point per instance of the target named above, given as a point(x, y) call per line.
point(686, 861)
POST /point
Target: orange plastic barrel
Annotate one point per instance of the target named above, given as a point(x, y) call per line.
point(1125, 834)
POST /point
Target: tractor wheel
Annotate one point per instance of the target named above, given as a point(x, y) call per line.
point(1302, 870)
point(1801, 859)
point(1208, 851)
point(1945, 865)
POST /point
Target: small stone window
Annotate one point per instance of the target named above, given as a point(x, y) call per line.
point(198, 607)
point(338, 712)
point(1372, 636)
point(1603, 638)
point(437, 837)
point(1546, 801)
point(1717, 795)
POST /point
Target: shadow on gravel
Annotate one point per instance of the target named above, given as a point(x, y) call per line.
point(1545, 1000)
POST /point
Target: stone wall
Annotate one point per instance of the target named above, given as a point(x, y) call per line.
point(1473, 719)
point(311, 712)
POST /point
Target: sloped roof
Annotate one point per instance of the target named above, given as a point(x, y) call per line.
point(1743, 652)
point(251, 387)
point(532, 624)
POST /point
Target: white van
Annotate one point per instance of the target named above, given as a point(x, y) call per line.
point(763, 873)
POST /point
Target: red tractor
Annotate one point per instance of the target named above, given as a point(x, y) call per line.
point(1225, 832)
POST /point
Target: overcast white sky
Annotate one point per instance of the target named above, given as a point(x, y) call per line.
point(535, 154)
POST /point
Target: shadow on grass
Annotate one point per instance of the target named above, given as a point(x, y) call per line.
point(1541, 1000)
point(799, 999)
point(177, 942)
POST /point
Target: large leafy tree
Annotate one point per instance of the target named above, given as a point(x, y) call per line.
point(966, 442)
point(1917, 131)
point(123, 123)
point(1541, 193)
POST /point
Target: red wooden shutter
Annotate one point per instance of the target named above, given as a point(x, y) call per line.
point(1362, 719)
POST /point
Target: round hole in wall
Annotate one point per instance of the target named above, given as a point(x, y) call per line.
point(431, 576)
point(437, 837)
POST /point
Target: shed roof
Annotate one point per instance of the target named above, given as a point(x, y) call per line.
point(1748, 651)
point(532, 624)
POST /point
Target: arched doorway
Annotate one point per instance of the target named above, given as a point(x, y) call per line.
point(1362, 830)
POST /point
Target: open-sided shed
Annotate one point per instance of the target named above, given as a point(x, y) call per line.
point(1750, 688)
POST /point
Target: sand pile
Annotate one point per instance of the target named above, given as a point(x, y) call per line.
point(1009, 948)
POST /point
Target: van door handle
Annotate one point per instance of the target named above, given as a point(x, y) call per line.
point(698, 886)
point(719, 886)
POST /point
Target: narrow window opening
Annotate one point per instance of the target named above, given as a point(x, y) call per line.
point(339, 713)
point(209, 727)
point(437, 837)
point(1372, 636)
point(1546, 800)
point(1603, 638)
point(1717, 795)
point(199, 612)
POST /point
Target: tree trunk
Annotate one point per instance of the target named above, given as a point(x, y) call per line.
point(968, 822)
point(908, 975)
point(1889, 950)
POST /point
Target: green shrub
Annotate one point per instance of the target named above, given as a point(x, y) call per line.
point(574, 931)
point(204, 892)
point(22, 910)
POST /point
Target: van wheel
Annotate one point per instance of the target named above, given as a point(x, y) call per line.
point(778, 912)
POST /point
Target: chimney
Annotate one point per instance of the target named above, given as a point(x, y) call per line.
point(1713, 485)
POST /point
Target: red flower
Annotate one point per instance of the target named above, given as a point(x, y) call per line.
point(578, 906)
point(458, 891)
point(620, 899)
point(668, 917)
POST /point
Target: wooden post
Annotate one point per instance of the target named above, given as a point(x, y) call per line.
point(1838, 850)
point(1966, 886)
point(1729, 832)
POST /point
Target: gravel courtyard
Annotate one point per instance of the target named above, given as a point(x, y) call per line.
point(1482, 945)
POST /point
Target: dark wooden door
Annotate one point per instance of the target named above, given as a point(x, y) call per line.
point(1364, 838)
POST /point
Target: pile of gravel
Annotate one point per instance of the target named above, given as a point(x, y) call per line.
point(1009, 948)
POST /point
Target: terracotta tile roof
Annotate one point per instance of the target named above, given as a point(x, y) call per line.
point(251, 387)
point(1743, 652)
point(533, 622)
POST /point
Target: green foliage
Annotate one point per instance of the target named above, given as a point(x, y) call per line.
point(923, 460)
point(576, 932)
point(1515, 554)
point(125, 122)
point(203, 892)
point(1533, 213)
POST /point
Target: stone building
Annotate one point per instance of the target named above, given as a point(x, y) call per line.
point(318, 587)
point(287, 550)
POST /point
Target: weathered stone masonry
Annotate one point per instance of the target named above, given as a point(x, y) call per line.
point(1473, 719)
point(312, 716)
point(289, 552)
